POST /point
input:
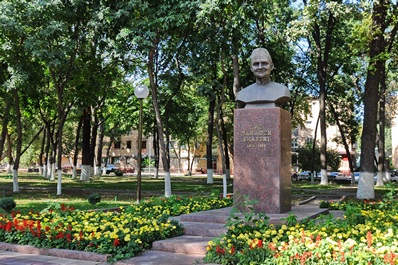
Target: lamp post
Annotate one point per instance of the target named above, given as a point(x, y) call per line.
point(141, 92)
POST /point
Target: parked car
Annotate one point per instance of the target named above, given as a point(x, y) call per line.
point(111, 168)
point(394, 175)
point(303, 175)
point(335, 175)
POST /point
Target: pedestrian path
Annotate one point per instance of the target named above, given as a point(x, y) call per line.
point(16, 258)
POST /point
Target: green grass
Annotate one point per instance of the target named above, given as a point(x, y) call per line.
point(36, 193)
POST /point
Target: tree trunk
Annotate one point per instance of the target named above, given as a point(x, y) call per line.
point(100, 145)
point(94, 133)
point(4, 130)
point(209, 143)
point(322, 53)
point(344, 140)
point(381, 171)
point(19, 141)
point(167, 181)
point(370, 101)
point(77, 149)
point(86, 151)
point(9, 154)
point(46, 168)
point(41, 155)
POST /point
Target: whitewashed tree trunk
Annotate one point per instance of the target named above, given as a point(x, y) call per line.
point(210, 173)
point(167, 184)
point(74, 172)
point(40, 170)
point(52, 172)
point(97, 171)
point(44, 171)
point(224, 185)
point(15, 185)
point(366, 186)
point(59, 183)
point(86, 173)
point(380, 178)
point(324, 177)
point(9, 169)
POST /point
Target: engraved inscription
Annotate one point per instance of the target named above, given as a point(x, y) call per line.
point(256, 137)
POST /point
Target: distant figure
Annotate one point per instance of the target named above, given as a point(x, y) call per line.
point(264, 93)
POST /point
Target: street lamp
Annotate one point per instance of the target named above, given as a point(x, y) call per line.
point(141, 92)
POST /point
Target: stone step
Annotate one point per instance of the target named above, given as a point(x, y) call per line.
point(219, 216)
point(163, 258)
point(183, 244)
point(203, 229)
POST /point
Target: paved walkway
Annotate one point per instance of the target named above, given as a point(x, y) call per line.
point(15, 258)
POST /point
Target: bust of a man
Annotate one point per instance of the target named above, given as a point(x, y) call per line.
point(264, 93)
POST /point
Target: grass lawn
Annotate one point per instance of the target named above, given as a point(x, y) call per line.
point(36, 193)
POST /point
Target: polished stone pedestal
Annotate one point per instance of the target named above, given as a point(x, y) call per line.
point(262, 159)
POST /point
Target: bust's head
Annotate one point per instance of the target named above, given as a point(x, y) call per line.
point(261, 64)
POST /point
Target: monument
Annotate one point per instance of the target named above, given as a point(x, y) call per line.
point(262, 141)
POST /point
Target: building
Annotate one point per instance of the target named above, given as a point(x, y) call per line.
point(301, 136)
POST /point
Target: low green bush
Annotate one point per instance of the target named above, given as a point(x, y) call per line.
point(94, 198)
point(7, 204)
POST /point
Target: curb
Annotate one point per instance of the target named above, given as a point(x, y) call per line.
point(61, 253)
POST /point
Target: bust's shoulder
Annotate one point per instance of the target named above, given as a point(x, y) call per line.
point(276, 85)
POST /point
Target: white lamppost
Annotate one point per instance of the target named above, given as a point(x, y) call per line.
point(141, 92)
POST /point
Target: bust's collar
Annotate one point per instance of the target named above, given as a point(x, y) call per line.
point(258, 82)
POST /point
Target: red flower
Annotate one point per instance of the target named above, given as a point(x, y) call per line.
point(369, 238)
point(260, 243)
point(9, 226)
point(232, 250)
point(60, 235)
point(116, 242)
point(220, 250)
point(272, 246)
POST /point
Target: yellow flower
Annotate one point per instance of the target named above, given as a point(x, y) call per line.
point(127, 238)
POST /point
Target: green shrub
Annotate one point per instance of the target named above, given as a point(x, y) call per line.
point(7, 204)
point(94, 198)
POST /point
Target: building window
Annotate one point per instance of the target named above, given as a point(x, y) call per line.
point(116, 160)
point(117, 145)
point(294, 143)
point(128, 144)
point(143, 144)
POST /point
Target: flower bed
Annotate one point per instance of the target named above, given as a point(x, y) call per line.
point(122, 233)
point(367, 235)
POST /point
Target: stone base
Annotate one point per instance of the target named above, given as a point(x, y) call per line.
point(262, 160)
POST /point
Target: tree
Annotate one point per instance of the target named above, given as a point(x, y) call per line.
point(376, 65)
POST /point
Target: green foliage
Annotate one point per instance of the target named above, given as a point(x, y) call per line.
point(290, 220)
point(250, 220)
point(7, 204)
point(309, 158)
point(94, 198)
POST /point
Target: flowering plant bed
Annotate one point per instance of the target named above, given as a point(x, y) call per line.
point(366, 235)
point(121, 233)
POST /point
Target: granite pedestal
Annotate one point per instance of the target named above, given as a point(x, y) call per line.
point(262, 159)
